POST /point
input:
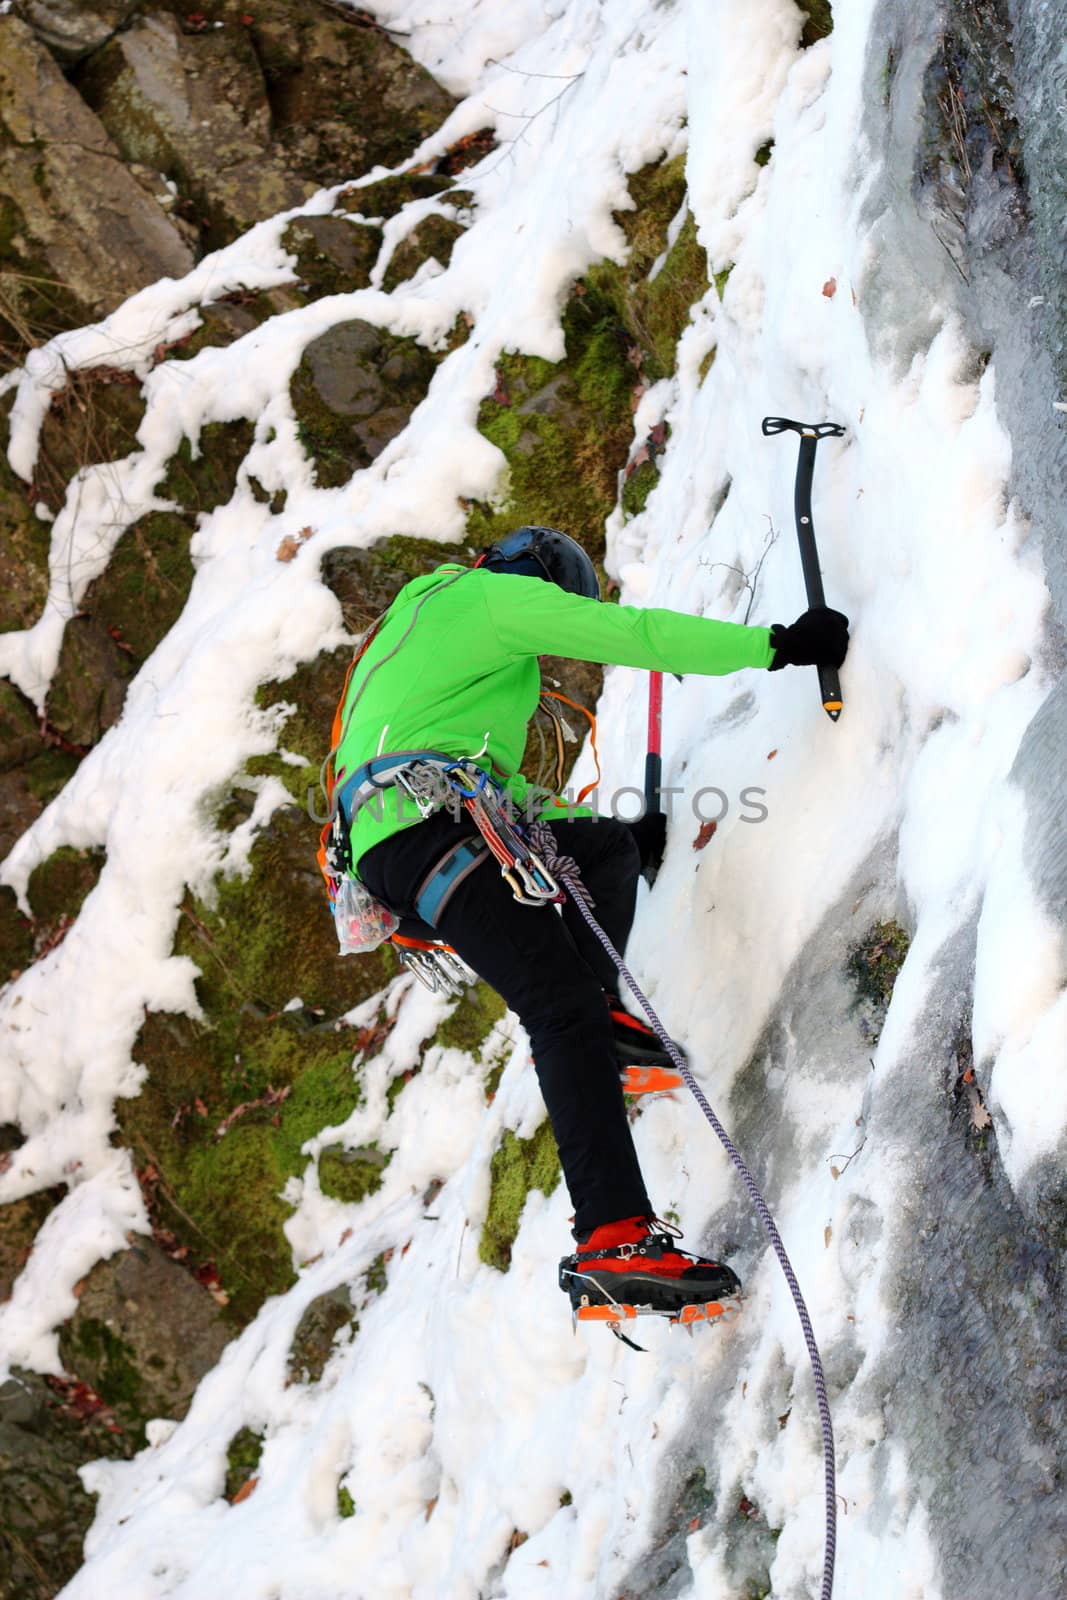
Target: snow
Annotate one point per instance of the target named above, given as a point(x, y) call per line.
point(466, 1409)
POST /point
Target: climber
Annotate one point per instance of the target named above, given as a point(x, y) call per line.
point(453, 668)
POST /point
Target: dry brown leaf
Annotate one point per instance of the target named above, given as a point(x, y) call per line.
point(290, 545)
point(772, 753)
point(705, 835)
point(827, 1235)
point(980, 1118)
point(247, 1488)
point(829, 288)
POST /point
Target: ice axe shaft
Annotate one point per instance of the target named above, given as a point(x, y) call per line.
point(654, 755)
point(810, 434)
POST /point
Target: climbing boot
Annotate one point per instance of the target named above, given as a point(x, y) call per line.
point(635, 1266)
point(644, 1065)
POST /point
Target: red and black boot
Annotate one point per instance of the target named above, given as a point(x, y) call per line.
point(644, 1065)
point(628, 1268)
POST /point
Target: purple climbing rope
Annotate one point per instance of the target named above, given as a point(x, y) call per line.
point(565, 869)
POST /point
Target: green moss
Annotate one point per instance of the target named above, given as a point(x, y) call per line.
point(763, 154)
point(390, 195)
point(722, 279)
point(472, 1020)
point(59, 885)
point(874, 965)
point(203, 477)
point(351, 1175)
point(376, 1277)
point(270, 937)
point(242, 1459)
point(24, 545)
point(275, 1078)
point(518, 1166)
point(563, 429)
point(143, 592)
point(112, 1361)
point(819, 21)
point(656, 312)
point(638, 486)
point(346, 1506)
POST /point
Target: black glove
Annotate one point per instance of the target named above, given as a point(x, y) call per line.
point(817, 639)
point(650, 837)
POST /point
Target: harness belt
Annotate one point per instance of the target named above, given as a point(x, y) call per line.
point(443, 879)
point(381, 773)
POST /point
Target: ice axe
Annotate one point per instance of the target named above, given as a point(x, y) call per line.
point(810, 434)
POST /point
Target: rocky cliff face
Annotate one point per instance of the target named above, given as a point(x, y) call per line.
point(131, 143)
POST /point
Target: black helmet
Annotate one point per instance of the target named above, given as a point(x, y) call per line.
point(544, 553)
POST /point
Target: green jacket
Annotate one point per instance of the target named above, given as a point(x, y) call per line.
point(466, 681)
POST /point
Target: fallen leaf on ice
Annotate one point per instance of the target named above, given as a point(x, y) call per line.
point(829, 288)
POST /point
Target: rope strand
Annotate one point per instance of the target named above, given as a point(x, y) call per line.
point(565, 869)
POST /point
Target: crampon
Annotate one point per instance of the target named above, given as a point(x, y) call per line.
point(633, 1268)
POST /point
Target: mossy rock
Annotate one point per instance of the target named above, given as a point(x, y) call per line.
point(88, 689)
point(472, 1020)
point(334, 256)
point(221, 1120)
point(270, 1078)
point(16, 937)
point(24, 545)
point(564, 428)
point(434, 237)
point(344, 96)
point(20, 1220)
point(389, 196)
point(518, 1165)
point(94, 419)
point(242, 1460)
point(874, 966)
point(655, 312)
point(818, 21)
point(59, 886)
point(352, 1175)
point(638, 486)
point(32, 769)
point(141, 595)
point(269, 936)
point(45, 1512)
point(143, 1335)
point(316, 1334)
point(201, 477)
point(366, 582)
point(313, 691)
point(354, 391)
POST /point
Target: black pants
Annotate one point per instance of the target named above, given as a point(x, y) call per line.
point(553, 973)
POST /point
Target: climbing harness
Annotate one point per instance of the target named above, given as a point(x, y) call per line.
point(566, 869)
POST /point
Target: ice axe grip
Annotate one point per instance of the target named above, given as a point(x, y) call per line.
point(810, 434)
